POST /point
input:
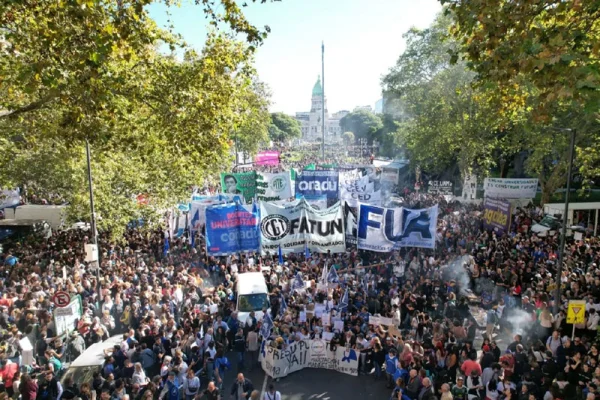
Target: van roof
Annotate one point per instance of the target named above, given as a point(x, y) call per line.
point(251, 282)
point(94, 355)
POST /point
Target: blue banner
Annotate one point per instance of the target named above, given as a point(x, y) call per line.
point(388, 229)
point(318, 184)
point(232, 228)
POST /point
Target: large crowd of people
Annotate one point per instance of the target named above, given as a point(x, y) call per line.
point(474, 316)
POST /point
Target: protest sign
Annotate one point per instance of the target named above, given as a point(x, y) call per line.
point(231, 228)
point(295, 225)
point(387, 229)
point(496, 215)
point(510, 188)
point(273, 187)
point(356, 188)
point(278, 363)
point(440, 187)
point(268, 157)
point(243, 183)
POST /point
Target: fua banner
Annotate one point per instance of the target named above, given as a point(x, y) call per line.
point(387, 229)
point(315, 184)
point(273, 187)
point(231, 228)
point(308, 354)
point(496, 215)
point(296, 224)
point(510, 188)
point(243, 183)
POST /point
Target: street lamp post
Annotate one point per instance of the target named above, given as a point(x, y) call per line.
point(93, 219)
point(561, 249)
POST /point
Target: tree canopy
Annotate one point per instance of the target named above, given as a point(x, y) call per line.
point(284, 127)
point(76, 70)
point(539, 62)
point(363, 123)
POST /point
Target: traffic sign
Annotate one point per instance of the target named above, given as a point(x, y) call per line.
point(61, 299)
point(576, 312)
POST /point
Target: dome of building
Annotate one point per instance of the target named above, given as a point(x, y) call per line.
point(317, 89)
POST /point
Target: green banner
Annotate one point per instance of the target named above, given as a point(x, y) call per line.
point(310, 167)
point(328, 166)
point(243, 183)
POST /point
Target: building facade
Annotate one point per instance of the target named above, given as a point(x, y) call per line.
point(311, 121)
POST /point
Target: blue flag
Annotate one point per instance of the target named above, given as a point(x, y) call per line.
point(306, 252)
point(166, 247)
point(343, 306)
point(280, 256)
point(298, 283)
point(283, 307)
point(267, 325)
point(332, 276)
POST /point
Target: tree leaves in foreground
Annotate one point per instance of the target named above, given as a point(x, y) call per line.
point(76, 70)
point(542, 57)
point(553, 43)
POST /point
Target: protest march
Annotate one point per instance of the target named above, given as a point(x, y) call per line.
point(284, 269)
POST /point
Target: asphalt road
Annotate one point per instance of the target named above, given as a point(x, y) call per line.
point(317, 384)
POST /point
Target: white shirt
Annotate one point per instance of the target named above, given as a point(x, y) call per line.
point(274, 396)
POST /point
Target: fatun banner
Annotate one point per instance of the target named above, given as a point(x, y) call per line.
point(269, 157)
point(510, 188)
point(231, 228)
point(273, 187)
point(496, 215)
point(308, 354)
point(242, 183)
point(317, 184)
point(387, 229)
point(296, 224)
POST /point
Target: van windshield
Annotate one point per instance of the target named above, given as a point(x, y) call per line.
point(253, 302)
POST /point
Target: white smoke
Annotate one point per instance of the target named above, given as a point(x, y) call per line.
point(520, 320)
point(457, 269)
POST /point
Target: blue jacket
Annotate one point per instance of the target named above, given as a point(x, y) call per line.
point(390, 364)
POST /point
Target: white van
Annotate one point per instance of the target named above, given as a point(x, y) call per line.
point(252, 295)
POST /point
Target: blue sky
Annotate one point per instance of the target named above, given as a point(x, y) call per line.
point(363, 39)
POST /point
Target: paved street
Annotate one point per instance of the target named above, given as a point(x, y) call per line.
point(318, 384)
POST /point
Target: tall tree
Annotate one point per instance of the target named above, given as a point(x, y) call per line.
point(447, 120)
point(364, 124)
point(284, 127)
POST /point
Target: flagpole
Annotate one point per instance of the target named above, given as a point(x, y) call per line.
point(323, 98)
